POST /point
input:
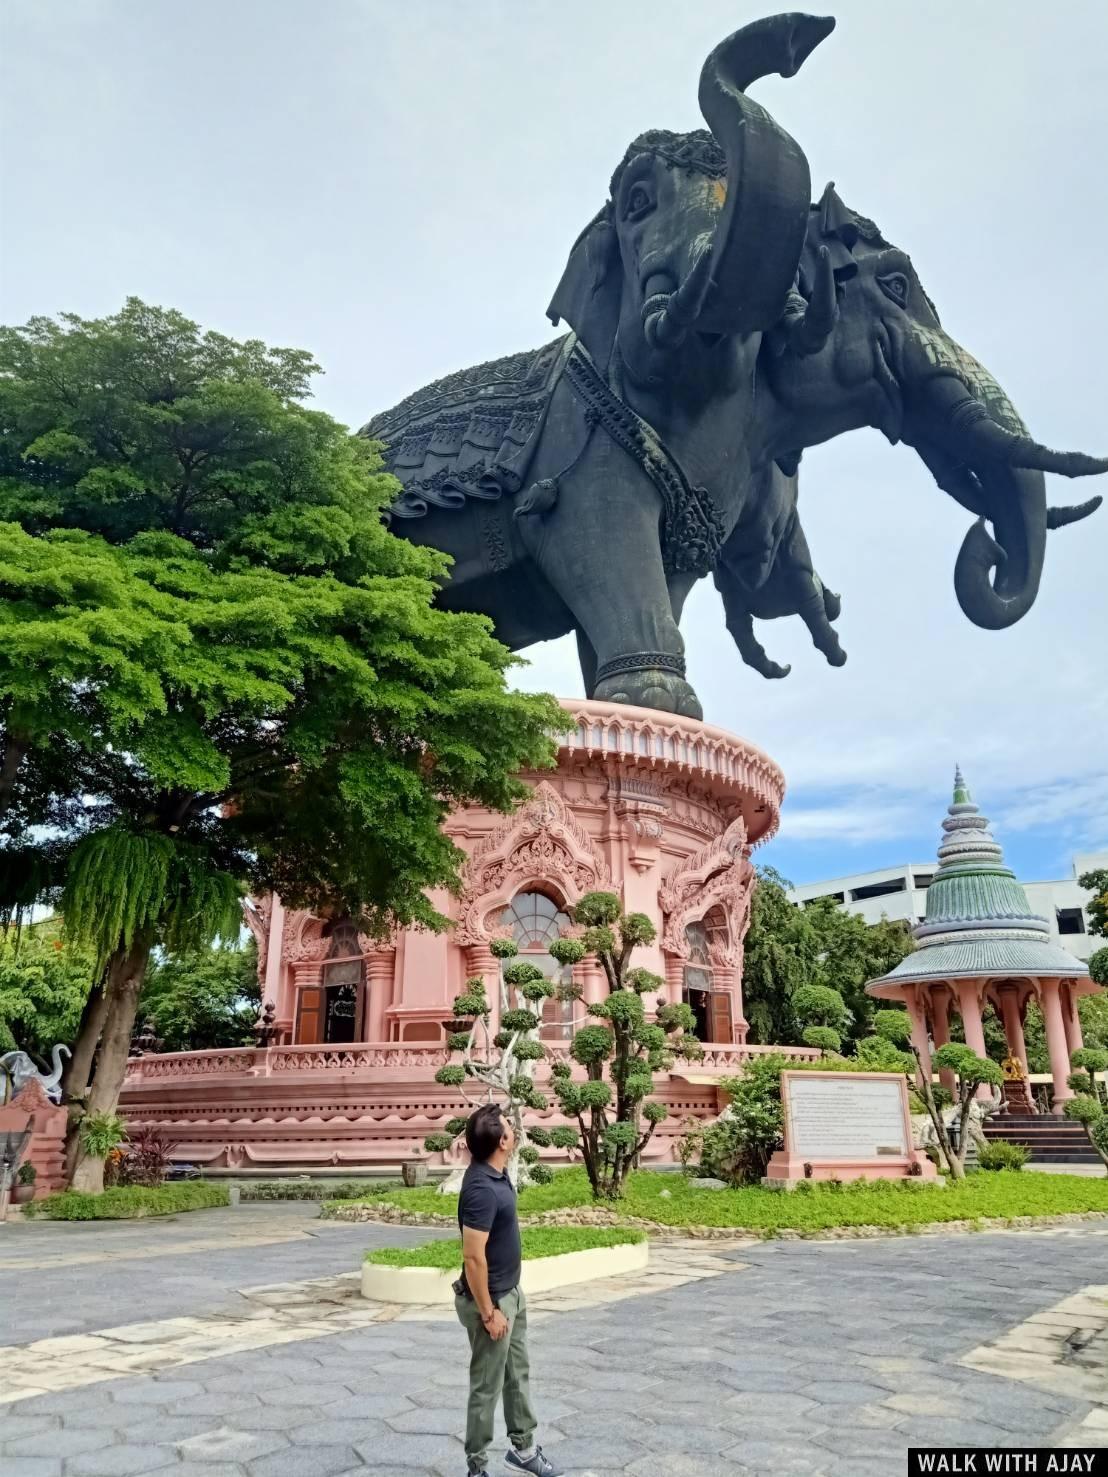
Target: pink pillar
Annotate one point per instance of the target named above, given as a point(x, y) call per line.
point(593, 981)
point(481, 961)
point(969, 1003)
point(380, 973)
point(675, 978)
point(1074, 1039)
point(1056, 1042)
point(919, 1033)
point(1013, 1026)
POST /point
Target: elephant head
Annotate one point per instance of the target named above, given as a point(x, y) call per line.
point(889, 363)
point(702, 233)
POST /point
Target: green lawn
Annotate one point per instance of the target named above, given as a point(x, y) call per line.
point(538, 1241)
point(129, 1202)
point(810, 1207)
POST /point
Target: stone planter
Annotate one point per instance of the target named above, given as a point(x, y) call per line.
point(427, 1285)
point(414, 1172)
point(23, 1194)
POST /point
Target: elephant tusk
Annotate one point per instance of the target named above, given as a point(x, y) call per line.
point(1060, 517)
point(808, 332)
point(976, 432)
point(668, 327)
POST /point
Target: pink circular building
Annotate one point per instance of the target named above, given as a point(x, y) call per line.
point(660, 809)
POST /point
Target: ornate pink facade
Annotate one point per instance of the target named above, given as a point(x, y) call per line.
point(662, 810)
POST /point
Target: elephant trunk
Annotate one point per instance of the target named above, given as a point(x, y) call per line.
point(980, 452)
point(757, 243)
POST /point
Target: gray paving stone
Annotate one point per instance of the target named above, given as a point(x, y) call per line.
point(151, 1391)
point(940, 1432)
point(13, 1423)
point(337, 1432)
point(677, 1465)
point(226, 1445)
point(208, 1469)
point(845, 1392)
point(302, 1461)
point(379, 1407)
point(401, 1451)
point(210, 1403)
point(267, 1418)
point(685, 1438)
point(120, 1461)
point(618, 1455)
point(780, 1457)
point(434, 1420)
point(59, 1443)
point(31, 1466)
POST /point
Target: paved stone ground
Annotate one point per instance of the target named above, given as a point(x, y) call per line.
point(780, 1357)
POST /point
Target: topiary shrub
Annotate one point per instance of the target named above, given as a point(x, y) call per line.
point(1000, 1154)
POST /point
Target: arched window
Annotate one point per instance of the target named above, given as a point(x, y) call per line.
point(536, 921)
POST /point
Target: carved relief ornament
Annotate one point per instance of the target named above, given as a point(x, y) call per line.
point(542, 841)
point(718, 873)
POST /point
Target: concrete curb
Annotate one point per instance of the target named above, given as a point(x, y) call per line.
point(384, 1284)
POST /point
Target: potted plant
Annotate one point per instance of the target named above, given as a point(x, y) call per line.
point(413, 1171)
point(24, 1190)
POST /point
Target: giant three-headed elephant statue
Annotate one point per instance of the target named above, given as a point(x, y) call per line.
point(720, 324)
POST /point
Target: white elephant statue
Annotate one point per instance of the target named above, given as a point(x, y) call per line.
point(19, 1069)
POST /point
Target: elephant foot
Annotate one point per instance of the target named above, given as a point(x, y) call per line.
point(836, 656)
point(663, 688)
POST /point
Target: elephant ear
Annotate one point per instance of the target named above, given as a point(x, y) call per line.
point(588, 296)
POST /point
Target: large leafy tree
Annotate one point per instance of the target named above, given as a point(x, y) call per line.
point(44, 982)
point(1097, 907)
point(250, 682)
point(788, 948)
point(204, 999)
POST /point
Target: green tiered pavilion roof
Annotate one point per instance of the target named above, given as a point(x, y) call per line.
point(978, 921)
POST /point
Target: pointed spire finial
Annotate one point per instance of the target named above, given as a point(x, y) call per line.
point(962, 795)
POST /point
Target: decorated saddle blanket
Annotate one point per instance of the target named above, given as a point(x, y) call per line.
point(472, 434)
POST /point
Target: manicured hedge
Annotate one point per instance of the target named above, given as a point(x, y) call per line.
point(538, 1241)
point(317, 1189)
point(130, 1202)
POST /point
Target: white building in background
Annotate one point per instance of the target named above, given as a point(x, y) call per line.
point(901, 892)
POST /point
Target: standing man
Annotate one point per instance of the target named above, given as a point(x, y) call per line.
point(490, 1303)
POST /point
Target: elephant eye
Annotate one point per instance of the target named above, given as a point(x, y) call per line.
point(895, 285)
point(639, 201)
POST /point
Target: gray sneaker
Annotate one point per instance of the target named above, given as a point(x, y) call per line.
point(538, 1465)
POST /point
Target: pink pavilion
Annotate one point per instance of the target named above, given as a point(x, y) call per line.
point(663, 810)
point(980, 945)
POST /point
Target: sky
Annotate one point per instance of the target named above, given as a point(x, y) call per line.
point(396, 188)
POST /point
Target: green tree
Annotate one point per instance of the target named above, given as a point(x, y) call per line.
point(819, 944)
point(610, 1113)
point(44, 982)
point(203, 1000)
point(1097, 908)
point(780, 955)
point(294, 712)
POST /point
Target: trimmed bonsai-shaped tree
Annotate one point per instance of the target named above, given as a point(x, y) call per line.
point(614, 1114)
point(886, 1050)
point(1088, 1107)
point(500, 1066)
point(972, 1071)
point(825, 1012)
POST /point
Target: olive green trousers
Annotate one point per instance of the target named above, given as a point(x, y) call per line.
point(497, 1367)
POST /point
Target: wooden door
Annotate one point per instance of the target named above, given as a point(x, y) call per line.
point(721, 1028)
point(309, 1016)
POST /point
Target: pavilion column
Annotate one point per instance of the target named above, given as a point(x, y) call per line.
point(1074, 1039)
point(1013, 1025)
point(969, 1004)
point(1056, 1042)
point(482, 962)
point(380, 973)
point(675, 978)
point(919, 1032)
point(940, 1029)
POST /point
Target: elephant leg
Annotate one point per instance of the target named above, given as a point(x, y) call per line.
point(815, 612)
point(600, 550)
point(586, 655)
point(741, 625)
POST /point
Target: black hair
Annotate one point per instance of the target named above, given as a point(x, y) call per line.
point(484, 1131)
